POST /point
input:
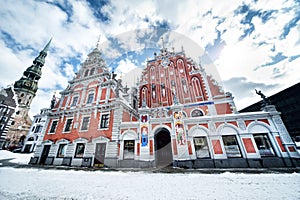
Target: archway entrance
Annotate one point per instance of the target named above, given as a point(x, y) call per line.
point(163, 148)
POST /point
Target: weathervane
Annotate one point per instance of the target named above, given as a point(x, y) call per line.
point(98, 42)
point(162, 41)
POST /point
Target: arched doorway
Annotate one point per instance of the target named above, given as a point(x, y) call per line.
point(163, 148)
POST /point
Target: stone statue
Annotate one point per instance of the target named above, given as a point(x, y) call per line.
point(266, 101)
point(53, 101)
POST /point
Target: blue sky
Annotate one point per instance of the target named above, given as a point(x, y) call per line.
point(245, 44)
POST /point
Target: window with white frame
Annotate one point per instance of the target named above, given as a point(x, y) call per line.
point(74, 102)
point(53, 126)
point(90, 98)
point(86, 73)
point(79, 151)
point(129, 149)
point(104, 121)
point(61, 151)
point(38, 129)
point(92, 71)
point(231, 146)
point(68, 125)
point(85, 123)
point(201, 147)
point(3, 119)
point(263, 144)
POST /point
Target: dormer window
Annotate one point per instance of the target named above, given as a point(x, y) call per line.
point(86, 73)
point(92, 71)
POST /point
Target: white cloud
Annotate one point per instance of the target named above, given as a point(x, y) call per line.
point(131, 77)
point(32, 23)
point(124, 66)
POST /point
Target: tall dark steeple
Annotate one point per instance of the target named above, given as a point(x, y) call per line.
point(29, 81)
point(25, 90)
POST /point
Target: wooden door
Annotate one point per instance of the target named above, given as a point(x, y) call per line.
point(45, 154)
point(99, 154)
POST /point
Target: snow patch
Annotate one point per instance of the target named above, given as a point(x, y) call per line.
point(18, 158)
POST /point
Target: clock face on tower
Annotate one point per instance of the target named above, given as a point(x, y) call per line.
point(165, 62)
point(28, 83)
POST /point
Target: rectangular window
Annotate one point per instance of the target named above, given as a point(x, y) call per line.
point(38, 129)
point(3, 119)
point(231, 146)
point(104, 121)
point(85, 123)
point(68, 125)
point(61, 151)
point(263, 144)
point(74, 103)
point(53, 126)
point(79, 150)
point(90, 98)
point(201, 147)
point(128, 149)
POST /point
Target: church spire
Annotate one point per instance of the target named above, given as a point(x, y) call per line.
point(46, 48)
point(40, 60)
point(98, 42)
point(29, 80)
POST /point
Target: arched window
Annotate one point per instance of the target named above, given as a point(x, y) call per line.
point(196, 87)
point(92, 71)
point(152, 73)
point(196, 113)
point(86, 73)
point(180, 63)
point(144, 94)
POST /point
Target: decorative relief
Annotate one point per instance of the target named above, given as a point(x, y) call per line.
point(277, 120)
point(179, 128)
point(286, 138)
point(241, 124)
point(144, 127)
point(212, 126)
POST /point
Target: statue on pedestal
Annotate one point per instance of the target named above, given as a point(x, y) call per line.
point(266, 101)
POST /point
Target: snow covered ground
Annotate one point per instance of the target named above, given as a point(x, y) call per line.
point(33, 183)
point(17, 158)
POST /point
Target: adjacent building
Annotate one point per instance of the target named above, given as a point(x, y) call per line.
point(287, 102)
point(37, 130)
point(8, 105)
point(176, 115)
point(17, 99)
